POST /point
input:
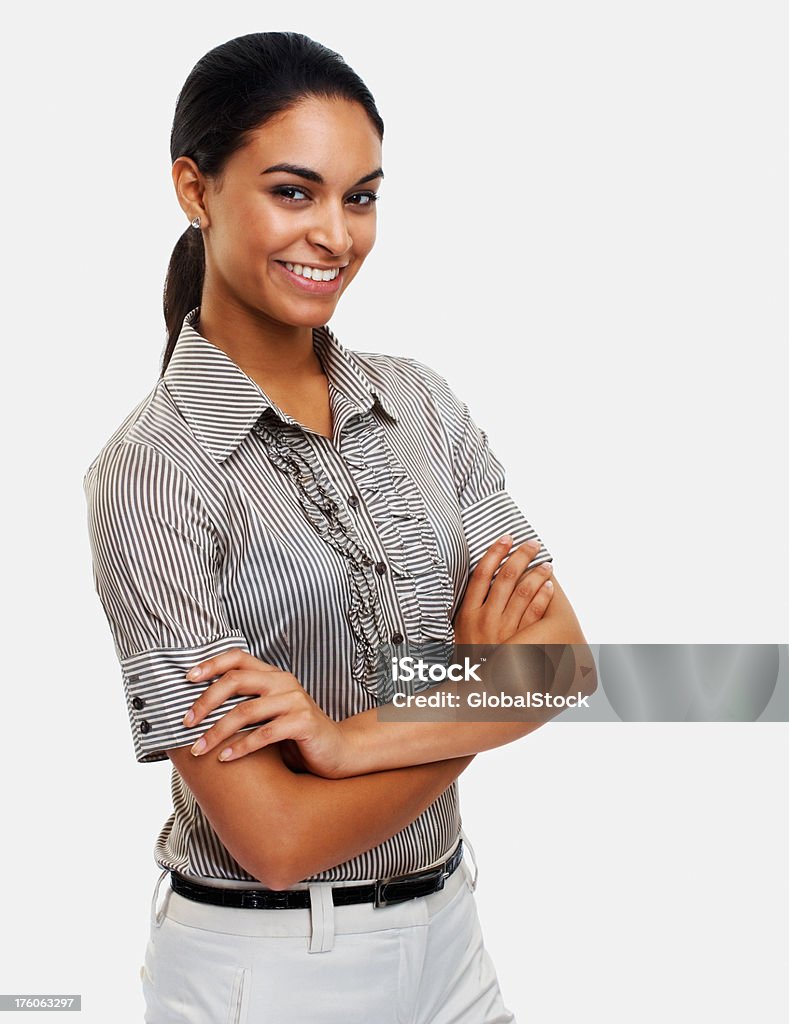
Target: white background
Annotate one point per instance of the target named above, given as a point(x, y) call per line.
point(584, 227)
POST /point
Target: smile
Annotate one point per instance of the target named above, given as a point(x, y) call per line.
point(313, 273)
point(315, 280)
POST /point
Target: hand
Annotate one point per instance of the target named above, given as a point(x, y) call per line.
point(494, 610)
point(311, 740)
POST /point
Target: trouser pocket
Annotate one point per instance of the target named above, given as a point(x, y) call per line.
point(183, 983)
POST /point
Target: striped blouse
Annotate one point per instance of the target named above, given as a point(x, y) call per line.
point(216, 520)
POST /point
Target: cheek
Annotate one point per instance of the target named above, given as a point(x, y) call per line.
point(364, 237)
point(257, 229)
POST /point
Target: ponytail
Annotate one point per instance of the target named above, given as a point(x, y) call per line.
point(183, 286)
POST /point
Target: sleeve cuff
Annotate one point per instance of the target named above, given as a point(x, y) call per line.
point(491, 517)
point(158, 695)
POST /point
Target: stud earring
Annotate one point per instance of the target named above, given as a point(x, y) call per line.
point(196, 223)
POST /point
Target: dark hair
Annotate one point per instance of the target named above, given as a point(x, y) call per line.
point(232, 90)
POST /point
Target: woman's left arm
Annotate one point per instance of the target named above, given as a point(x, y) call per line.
point(375, 744)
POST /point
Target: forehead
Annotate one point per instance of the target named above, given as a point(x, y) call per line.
point(333, 136)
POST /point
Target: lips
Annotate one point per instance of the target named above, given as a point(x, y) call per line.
point(308, 285)
point(312, 271)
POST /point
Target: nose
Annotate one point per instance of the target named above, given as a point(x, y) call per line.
point(330, 228)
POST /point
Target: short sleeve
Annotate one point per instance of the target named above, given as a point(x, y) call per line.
point(155, 558)
point(487, 508)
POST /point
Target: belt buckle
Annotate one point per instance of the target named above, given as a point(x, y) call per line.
point(382, 900)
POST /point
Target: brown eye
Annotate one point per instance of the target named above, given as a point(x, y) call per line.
point(287, 192)
point(367, 198)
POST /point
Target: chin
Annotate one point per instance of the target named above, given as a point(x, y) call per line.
point(315, 316)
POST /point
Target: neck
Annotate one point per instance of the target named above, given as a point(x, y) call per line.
point(265, 349)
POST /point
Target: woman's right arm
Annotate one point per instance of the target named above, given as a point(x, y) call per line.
point(284, 826)
point(156, 554)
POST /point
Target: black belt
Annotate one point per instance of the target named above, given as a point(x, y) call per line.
point(381, 892)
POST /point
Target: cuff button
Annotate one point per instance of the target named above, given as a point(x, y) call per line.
point(138, 702)
point(145, 725)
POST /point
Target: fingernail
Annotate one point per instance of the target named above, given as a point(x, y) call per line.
point(189, 717)
point(506, 539)
point(548, 584)
point(193, 673)
point(226, 753)
point(199, 747)
point(533, 545)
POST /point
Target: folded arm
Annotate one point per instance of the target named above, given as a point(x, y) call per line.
point(283, 826)
point(530, 652)
point(374, 743)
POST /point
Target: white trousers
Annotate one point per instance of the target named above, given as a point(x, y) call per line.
point(422, 961)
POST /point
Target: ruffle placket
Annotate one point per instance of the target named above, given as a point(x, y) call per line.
point(424, 587)
point(288, 449)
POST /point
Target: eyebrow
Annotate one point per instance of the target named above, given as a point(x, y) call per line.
point(310, 175)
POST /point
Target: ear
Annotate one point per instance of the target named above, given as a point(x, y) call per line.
point(190, 188)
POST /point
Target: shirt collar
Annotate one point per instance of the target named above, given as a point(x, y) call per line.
point(221, 403)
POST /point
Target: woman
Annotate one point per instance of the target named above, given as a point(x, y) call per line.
point(289, 515)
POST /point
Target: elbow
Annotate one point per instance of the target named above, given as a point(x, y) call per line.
point(579, 661)
point(269, 871)
point(274, 871)
point(283, 864)
point(586, 667)
point(572, 643)
point(277, 878)
point(263, 814)
point(282, 871)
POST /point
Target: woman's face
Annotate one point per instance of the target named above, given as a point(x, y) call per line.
point(321, 213)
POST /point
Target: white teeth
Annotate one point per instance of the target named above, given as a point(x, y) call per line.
point(313, 273)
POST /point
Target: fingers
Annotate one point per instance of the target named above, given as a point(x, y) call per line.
point(264, 710)
point(236, 657)
point(538, 605)
point(283, 727)
point(527, 587)
point(510, 575)
point(237, 682)
point(479, 580)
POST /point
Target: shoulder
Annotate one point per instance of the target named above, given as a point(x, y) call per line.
point(411, 382)
point(153, 432)
point(383, 367)
point(148, 459)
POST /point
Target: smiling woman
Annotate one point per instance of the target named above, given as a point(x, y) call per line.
point(273, 517)
point(282, 244)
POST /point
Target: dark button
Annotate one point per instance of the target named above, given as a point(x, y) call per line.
point(380, 568)
point(397, 638)
point(353, 501)
point(145, 726)
point(138, 702)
